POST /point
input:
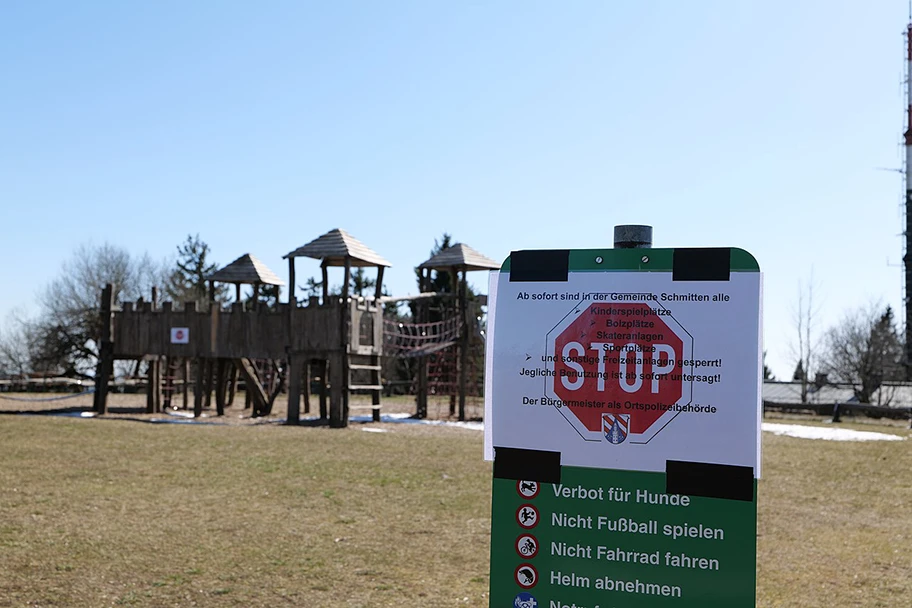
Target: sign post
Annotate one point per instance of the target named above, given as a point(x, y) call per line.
point(624, 417)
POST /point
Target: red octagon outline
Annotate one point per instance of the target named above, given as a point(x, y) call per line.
point(580, 310)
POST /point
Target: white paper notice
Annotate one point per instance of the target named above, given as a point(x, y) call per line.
point(626, 370)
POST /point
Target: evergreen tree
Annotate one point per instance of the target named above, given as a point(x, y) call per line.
point(767, 372)
point(440, 282)
point(361, 283)
point(798, 375)
point(268, 295)
point(187, 282)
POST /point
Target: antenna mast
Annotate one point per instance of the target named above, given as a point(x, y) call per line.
point(907, 254)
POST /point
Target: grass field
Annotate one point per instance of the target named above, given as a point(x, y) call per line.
point(123, 513)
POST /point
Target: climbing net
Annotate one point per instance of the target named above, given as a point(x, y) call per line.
point(402, 339)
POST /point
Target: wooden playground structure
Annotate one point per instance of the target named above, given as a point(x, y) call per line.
point(337, 340)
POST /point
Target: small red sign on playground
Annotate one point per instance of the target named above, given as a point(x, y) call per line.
point(180, 335)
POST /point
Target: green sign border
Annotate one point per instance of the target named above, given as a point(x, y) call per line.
point(740, 591)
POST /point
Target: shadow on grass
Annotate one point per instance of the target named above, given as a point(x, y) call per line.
point(118, 413)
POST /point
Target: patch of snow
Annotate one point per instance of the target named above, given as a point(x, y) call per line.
point(180, 414)
point(177, 421)
point(472, 426)
point(373, 429)
point(830, 434)
point(399, 416)
point(407, 419)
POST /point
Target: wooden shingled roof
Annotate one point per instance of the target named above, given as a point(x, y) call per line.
point(336, 245)
point(461, 256)
point(246, 269)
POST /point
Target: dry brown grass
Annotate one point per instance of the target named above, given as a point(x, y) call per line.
point(119, 513)
point(835, 522)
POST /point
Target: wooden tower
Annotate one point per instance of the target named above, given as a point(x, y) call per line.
point(353, 344)
point(457, 261)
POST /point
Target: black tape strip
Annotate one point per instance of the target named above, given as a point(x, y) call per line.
point(539, 265)
point(709, 480)
point(706, 264)
point(528, 465)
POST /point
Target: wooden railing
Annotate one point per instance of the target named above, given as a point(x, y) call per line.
point(141, 329)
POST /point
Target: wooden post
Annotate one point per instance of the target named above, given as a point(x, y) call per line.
point(237, 293)
point(156, 365)
point(337, 407)
point(377, 375)
point(346, 284)
point(346, 342)
point(156, 394)
point(167, 381)
point(214, 312)
point(291, 283)
point(232, 385)
point(220, 386)
point(198, 392)
point(454, 283)
point(186, 387)
point(293, 415)
point(150, 386)
point(325, 274)
point(105, 366)
point(378, 291)
point(324, 386)
point(422, 371)
point(305, 385)
point(169, 371)
point(422, 397)
point(208, 386)
point(294, 390)
point(464, 342)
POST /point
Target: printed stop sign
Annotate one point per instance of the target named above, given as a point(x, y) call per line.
point(617, 367)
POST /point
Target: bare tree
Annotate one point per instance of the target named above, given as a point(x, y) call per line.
point(865, 349)
point(15, 345)
point(805, 317)
point(64, 335)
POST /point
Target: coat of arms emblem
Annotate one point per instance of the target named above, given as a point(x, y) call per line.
point(615, 427)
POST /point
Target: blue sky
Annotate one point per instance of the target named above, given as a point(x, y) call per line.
point(508, 124)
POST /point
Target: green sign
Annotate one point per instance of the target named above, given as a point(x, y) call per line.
point(624, 425)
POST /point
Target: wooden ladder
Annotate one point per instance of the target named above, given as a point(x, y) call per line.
point(370, 363)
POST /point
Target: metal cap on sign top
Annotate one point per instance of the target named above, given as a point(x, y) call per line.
point(631, 236)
